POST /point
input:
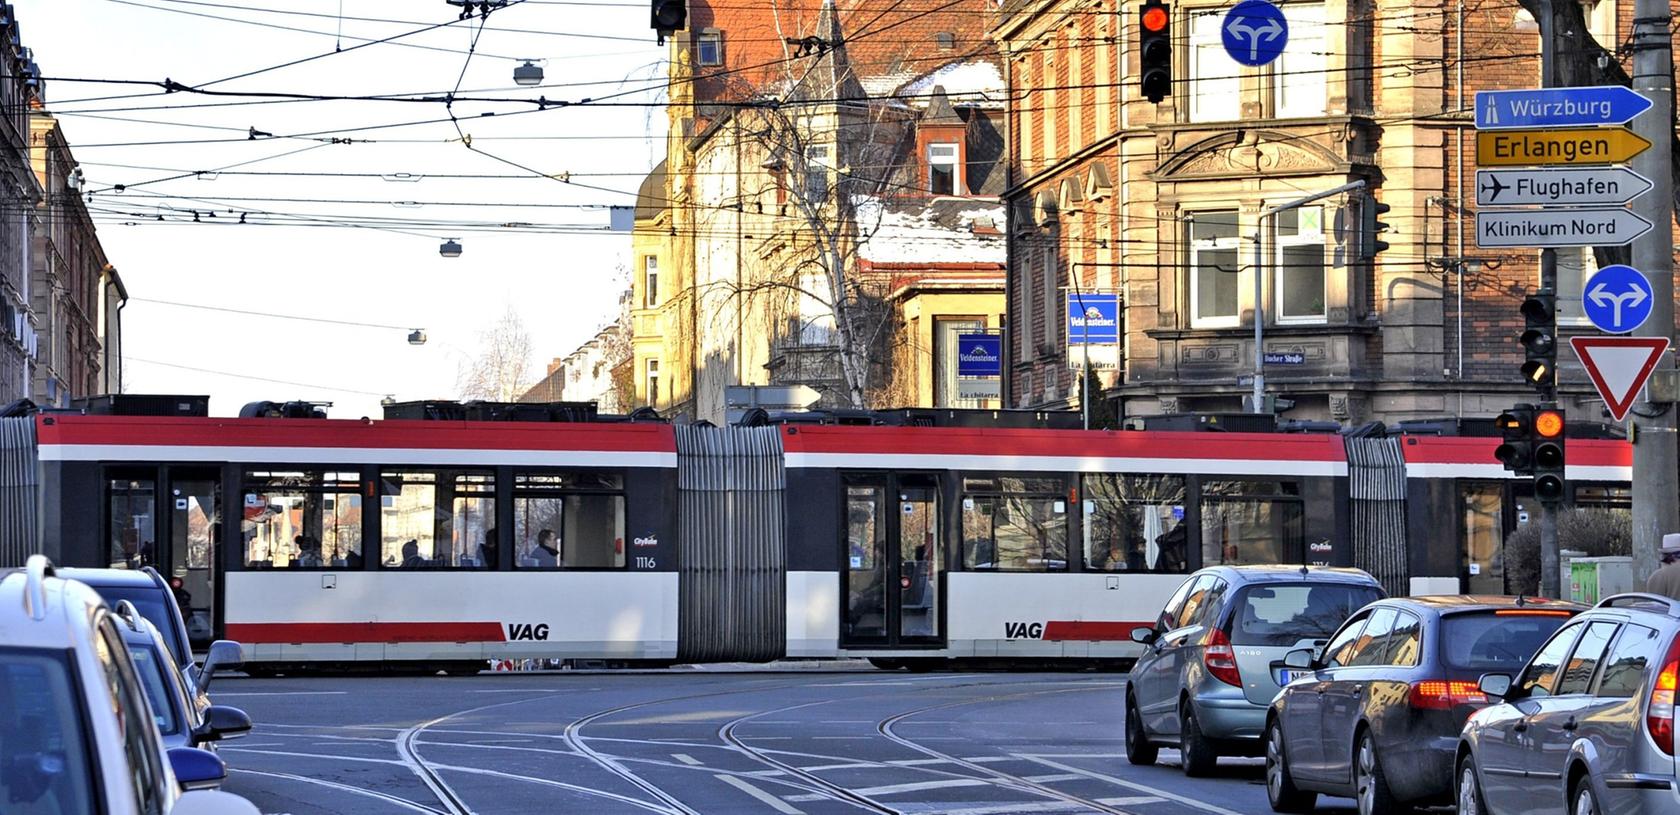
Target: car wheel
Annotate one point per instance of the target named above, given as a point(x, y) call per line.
point(1281, 791)
point(1469, 788)
point(1584, 802)
point(1138, 748)
point(1369, 785)
point(1198, 755)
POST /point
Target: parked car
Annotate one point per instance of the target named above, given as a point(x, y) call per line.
point(78, 735)
point(155, 600)
point(1205, 680)
point(1587, 726)
point(184, 717)
point(1375, 715)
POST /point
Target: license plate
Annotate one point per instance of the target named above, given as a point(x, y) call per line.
point(1285, 676)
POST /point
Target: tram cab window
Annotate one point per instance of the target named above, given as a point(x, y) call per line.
point(568, 521)
point(437, 519)
point(1135, 523)
point(1014, 524)
point(1252, 522)
point(302, 519)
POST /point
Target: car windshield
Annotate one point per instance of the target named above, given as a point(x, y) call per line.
point(43, 760)
point(151, 604)
point(1496, 642)
point(151, 668)
point(1287, 613)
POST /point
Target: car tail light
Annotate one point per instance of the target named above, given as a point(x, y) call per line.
point(1442, 694)
point(1219, 659)
point(1659, 711)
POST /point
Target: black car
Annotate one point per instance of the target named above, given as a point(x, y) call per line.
point(1375, 714)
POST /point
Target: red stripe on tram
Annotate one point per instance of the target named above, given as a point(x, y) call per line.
point(365, 632)
point(1092, 630)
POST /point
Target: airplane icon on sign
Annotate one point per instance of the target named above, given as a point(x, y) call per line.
point(1493, 188)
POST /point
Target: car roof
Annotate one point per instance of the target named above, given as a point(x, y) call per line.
point(1654, 608)
point(1460, 603)
point(40, 610)
point(127, 578)
point(1279, 573)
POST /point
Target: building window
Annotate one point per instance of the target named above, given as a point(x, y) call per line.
point(1055, 307)
point(945, 383)
point(653, 382)
point(1215, 87)
point(942, 169)
point(1014, 524)
point(1300, 74)
point(1213, 268)
point(708, 47)
point(816, 175)
point(1574, 266)
point(1299, 237)
point(650, 281)
point(945, 40)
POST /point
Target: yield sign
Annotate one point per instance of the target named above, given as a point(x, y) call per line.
point(1619, 367)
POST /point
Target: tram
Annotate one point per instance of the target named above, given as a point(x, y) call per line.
point(447, 539)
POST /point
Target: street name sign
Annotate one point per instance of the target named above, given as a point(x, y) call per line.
point(1564, 146)
point(1617, 299)
point(1284, 358)
point(1254, 32)
point(1588, 226)
point(1567, 187)
point(1619, 367)
point(1558, 107)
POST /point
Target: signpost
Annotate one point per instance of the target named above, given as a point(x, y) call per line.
point(1565, 146)
point(1618, 299)
point(1584, 226)
point(1536, 187)
point(1558, 107)
point(1619, 367)
point(1254, 32)
point(979, 366)
point(1092, 318)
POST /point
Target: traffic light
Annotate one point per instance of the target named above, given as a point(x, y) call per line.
point(669, 17)
point(1548, 454)
point(1539, 339)
point(1516, 427)
point(1371, 227)
point(1155, 50)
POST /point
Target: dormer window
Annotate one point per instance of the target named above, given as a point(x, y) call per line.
point(708, 47)
point(942, 169)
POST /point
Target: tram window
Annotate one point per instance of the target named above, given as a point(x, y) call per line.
point(1135, 523)
point(302, 519)
point(557, 525)
point(1020, 527)
point(437, 519)
point(1251, 522)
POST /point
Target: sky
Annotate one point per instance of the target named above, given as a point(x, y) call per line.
point(369, 257)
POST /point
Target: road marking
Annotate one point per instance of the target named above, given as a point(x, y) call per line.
point(687, 759)
point(1042, 779)
point(769, 800)
point(805, 797)
point(989, 759)
point(1009, 809)
point(824, 738)
point(220, 694)
point(1130, 799)
point(1160, 793)
point(847, 766)
point(389, 799)
point(919, 762)
point(923, 785)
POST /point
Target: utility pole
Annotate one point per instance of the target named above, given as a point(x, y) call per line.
point(1550, 578)
point(1656, 500)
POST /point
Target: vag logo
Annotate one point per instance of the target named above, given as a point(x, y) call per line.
point(1023, 631)
point(527, 631)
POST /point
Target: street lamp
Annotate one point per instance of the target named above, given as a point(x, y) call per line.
point(451, 248)
point(528, 74)
point(388, 401)
point(417, 337)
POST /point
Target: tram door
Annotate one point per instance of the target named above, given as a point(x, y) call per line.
point(894, 562)
point(169, 518)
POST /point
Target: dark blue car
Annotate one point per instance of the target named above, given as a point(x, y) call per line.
point(1375, 714)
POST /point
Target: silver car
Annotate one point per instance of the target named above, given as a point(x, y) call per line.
point(1205, 679)
point(1588, 725)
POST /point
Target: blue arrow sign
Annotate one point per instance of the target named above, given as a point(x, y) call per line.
point(1558, 107)
point(1254, 32)
point(1617, 299)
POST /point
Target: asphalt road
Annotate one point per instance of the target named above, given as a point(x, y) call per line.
point(689, 741)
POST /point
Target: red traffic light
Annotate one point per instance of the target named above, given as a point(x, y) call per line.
point(1548, 424)
point(1154, 18)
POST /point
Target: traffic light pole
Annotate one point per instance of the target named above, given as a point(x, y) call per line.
point(1550, 579)
point(1656, 499)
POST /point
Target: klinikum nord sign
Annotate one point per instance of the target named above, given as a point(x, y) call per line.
point(1566, 146)
point(1606, 226)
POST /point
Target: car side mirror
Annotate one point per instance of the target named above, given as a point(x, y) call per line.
point(197, 769)
point(223, 722)
point(1143, 635)
point(1495, 686)
point(1300, 658)
point(225, 655)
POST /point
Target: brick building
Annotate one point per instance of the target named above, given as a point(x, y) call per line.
point(1160, 203)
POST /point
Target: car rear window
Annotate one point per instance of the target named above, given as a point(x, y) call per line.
point(43, 760)
point(152, 605)
point(1496, 642)
point(1286, 613)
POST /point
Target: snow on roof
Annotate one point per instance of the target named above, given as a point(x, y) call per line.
point(939, 232)
point(977, 83)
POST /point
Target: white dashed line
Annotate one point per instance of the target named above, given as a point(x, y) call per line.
point(918, 786)
point(769, 800)
point(687, 759)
